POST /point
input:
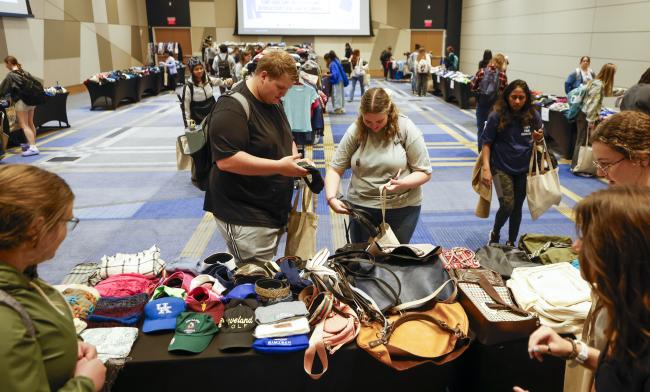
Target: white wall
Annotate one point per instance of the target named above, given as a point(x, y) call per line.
point(545, 39)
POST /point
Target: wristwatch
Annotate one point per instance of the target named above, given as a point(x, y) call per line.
point(583, 354)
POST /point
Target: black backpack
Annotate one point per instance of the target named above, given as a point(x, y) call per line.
point(202, 159)
point(489, 87)
point(224, 67)
point(30, 90)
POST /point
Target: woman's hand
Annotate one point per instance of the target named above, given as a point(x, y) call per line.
point(486, 177)
point(395, 185)
point(538, 135)
point(545, 341)
point(85, 350)
point(338, 206)
point(94, 369)
point(228, 82)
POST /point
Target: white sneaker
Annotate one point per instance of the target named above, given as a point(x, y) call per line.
point(32, 150)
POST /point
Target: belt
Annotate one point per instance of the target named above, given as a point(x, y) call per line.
point(272, 288)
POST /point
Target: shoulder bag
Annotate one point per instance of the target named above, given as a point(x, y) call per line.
point(543, 187)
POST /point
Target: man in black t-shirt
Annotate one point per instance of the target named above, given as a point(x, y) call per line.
point(251, 185)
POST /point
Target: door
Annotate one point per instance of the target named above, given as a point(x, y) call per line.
point(182, 35)
point(432, 40)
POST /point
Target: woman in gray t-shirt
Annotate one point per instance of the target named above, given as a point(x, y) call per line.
point(382, 148)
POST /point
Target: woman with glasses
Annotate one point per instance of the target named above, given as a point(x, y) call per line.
point(621, 149)
point(614, 253)
point(39, 346)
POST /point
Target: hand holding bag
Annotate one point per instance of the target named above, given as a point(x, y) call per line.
point(386, 237)
point(543, 187)
point(301, 227)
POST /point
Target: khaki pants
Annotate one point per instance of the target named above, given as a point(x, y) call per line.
point(250, 244)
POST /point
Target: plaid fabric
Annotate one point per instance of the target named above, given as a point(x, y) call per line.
point(480, 298)
point(82, 274)
point(112, 311)
point(476, 82)
point(147, 263)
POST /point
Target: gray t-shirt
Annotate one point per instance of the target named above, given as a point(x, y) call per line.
point(379, 160)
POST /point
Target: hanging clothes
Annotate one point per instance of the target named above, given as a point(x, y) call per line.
point(299, 104)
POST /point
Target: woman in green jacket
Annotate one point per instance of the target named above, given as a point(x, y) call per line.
point(35, 216)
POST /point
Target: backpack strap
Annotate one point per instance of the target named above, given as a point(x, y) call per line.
point(242, 101)
point(8, 300)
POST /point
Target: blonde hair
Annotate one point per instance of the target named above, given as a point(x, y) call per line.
point(29, 192)
point(627, 132)
point(499, 61)
point(377, 100)
point(606, 75)
point(276, 64)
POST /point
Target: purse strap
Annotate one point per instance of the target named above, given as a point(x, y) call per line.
point(382, 201)
point(500, 303)
point(308, 199)
point(294, 207)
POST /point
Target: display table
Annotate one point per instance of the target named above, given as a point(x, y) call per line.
point(481, 367)
point(451, 90)
point(54, 109)
point(121, 89)
point(149, 84)
point(560, 133)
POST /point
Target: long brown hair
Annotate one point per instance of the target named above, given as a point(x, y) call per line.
point(606, 75)
point(614, 225)
point(627, 132)
point(29, 192)
point(11, 60)
point(422, 54)
point(354, 59)
point(525, 116)
point(377, 100)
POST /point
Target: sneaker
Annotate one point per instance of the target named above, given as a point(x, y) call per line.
point(31, 151)
point(510, 244)
point(24, 146)
point(493, 238)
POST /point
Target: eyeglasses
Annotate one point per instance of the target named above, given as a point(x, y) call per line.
point(71, 223)
point(605, 168)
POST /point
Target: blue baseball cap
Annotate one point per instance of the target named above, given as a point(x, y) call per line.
point(160, 314)
point(281, 345)
point(242, 291)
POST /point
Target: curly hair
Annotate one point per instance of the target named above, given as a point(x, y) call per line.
point(525, 116)
point(627, 132)
point(615, 259)
point(377, 100)
point(29, 192)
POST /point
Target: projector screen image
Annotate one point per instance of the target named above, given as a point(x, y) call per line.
point(303, 17)
point(14, 8)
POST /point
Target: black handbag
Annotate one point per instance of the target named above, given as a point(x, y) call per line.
point(503, 259)
point(398, 283)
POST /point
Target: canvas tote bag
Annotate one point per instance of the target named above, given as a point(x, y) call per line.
point(543, 187)
point(585, 162)
point(302, 225)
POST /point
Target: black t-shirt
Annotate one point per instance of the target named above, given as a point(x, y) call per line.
point(249, 200)
point(614, 376)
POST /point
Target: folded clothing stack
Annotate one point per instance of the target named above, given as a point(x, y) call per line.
point(118, 312)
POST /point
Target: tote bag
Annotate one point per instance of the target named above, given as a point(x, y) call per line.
point(543, 187)
point(585, 162)
point(386, 237)
point(302, 225)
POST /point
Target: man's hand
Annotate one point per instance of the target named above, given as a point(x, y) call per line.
point(288, 166)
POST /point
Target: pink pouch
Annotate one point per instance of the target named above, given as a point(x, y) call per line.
point(178, 279)
point(125, 285)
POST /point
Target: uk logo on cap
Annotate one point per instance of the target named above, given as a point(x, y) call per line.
point(160, 314)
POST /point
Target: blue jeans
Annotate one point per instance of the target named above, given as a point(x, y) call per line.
point(337, 95)
point(353, 81)
point(401, 220)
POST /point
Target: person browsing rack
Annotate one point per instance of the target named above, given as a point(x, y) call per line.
point(382, 148)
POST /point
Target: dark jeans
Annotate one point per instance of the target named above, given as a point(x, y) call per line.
point(511, 191)
point(383, 65)
point(581, 137)
point(401, 220)
point(482, 113)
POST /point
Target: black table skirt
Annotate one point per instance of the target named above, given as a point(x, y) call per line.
point(149, 84)
point(484, 368)
point(460, 93)
point(54, 109)
point(560, 133)
point(111, 94)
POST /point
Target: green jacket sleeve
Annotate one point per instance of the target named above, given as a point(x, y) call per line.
point(22, 369)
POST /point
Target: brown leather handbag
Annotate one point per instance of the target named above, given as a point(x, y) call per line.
point(439, 335)
point(492, 312)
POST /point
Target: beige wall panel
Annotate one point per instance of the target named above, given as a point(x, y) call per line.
point(89, 59)
point(511, 8)
point(58, 32)
point(99, 11)
point(137, 49)
point(628, 17)
point(121, 59)
point(551, 44)
point(225, 12)
point(104, 50)
point(53, 9)
point(79, 10)
point(202, 14)
point(38, 8)
point(120, 38)
point(127, 11)
point(601, 3)
point(25, 42)
point(64, 71)
point(398, 14)
point(383, 39)
point(575, 21)
point(197, 39)
point(226, 34)
point(379, 10)
point(142, 12)
point(626, 46)
point(112, 12)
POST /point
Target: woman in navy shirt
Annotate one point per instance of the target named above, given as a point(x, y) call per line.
point(507, 144)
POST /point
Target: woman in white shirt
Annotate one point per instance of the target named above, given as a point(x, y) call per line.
point(581, 75)
point(383, 148)
point(198, 93)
